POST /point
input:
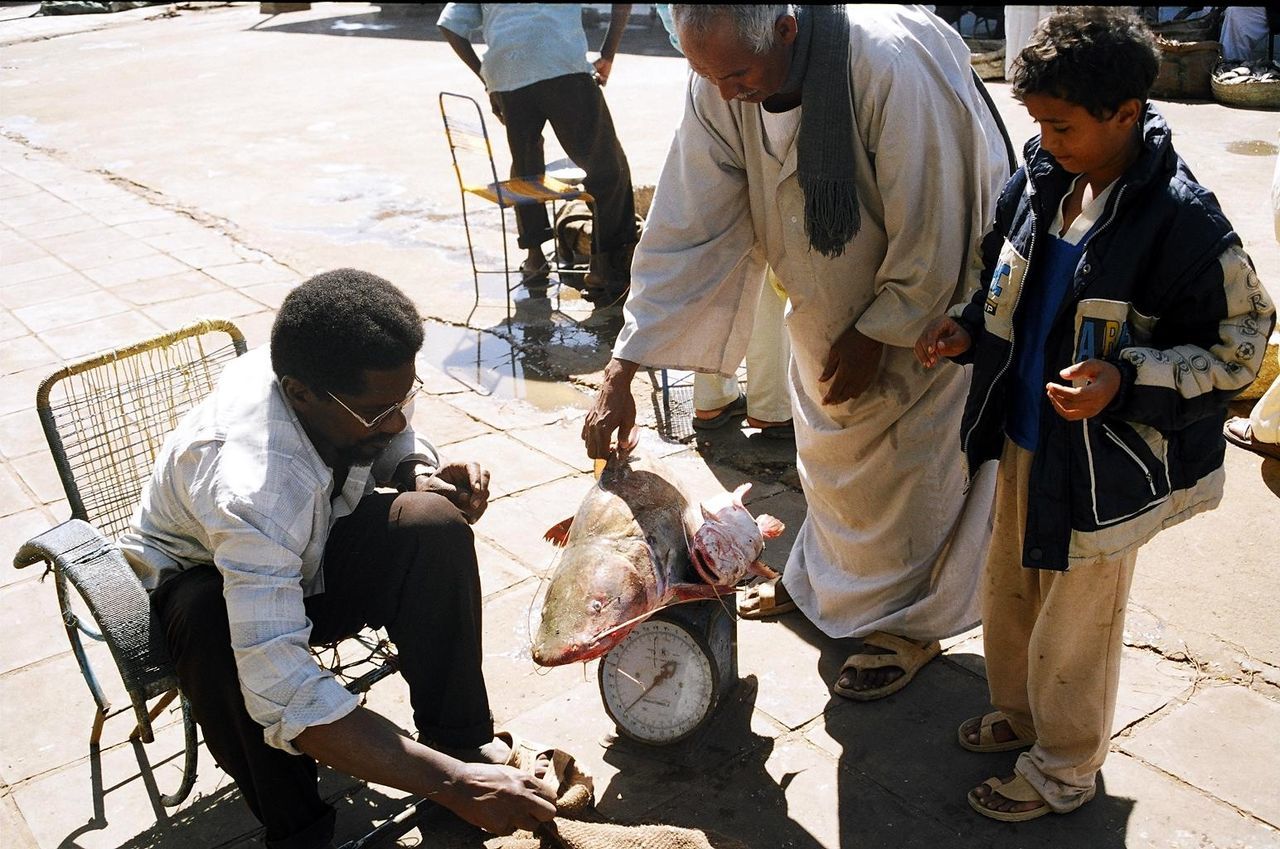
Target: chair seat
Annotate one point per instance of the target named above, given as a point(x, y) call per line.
point(528, 190)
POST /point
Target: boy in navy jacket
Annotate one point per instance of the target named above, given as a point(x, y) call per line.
point(1120, 317)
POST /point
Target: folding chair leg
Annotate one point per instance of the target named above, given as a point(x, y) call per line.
point(506, 262)
point(471, 251)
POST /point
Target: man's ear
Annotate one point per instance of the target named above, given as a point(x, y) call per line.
point(299, 394)
point(1129, 113)
point(787, 29)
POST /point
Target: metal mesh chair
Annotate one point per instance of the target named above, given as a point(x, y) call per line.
point(105, 419)
point(472, 154)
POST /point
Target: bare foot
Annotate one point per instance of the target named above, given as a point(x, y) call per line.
point(993, 801)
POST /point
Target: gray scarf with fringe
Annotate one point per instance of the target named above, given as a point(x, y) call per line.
point(824, 166)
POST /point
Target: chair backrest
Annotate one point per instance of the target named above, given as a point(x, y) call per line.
point(106, 417)
point(468, 137)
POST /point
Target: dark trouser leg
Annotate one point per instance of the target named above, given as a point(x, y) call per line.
point(407, 562)
point(524, 119)
point(280, 788)
point(576, 108)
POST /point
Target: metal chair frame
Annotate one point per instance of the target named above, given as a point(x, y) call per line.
point(105, 419)
point(465, 133)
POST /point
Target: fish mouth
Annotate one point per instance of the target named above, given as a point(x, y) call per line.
point(557, 653)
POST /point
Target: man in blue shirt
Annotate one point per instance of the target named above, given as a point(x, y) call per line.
point(535, 70)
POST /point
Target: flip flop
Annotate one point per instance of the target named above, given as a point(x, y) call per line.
point(987, 741)
point(904, 655)
point(1018, 789)
point(735, 409)
point(573, 786)
point(1239, 432)
point(764, 594)
point(785, 431)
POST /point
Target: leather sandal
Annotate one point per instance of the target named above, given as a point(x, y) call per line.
point(903, 654)
point(987, 741)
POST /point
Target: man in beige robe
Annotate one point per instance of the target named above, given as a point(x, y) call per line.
point(892, 547)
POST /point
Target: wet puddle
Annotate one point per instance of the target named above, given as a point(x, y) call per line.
point(1252, 147)
point(535, 363)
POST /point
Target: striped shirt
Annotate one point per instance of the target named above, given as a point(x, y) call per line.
point(239, 485)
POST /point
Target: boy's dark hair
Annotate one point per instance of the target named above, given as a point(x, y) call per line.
point(338, 324)
point(1096, 57)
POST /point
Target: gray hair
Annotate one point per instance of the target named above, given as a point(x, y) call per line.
point(753, 24)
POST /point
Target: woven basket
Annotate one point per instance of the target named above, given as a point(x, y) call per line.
point(1185, 69)
point(1255, 94)
point(987, 57)
point(1267, 374)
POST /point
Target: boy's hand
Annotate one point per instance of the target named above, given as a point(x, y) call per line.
point(1096, 382)
point(944, 337)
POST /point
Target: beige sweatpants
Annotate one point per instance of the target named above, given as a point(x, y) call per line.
point(1052, 642)
point(768, 358)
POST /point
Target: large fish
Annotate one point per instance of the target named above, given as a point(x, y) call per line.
point(637, 544)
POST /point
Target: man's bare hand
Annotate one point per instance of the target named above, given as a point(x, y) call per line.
point(499, 799)
point(495, 103)
point(466, 485)
point(614, 410)
point(1096, 383)
point(944, 337)
point(603, 67)
point(851, 366)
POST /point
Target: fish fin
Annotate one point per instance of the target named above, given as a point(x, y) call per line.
point(770, 527)
point(759, 567)
point(741, 492)
point(558, 534)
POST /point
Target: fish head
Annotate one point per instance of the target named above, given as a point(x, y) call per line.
point(729, 541)
point(597, 595)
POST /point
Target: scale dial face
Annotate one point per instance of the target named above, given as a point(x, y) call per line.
point(659, 684)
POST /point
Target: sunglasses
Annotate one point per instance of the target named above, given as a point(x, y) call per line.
point(381, 417)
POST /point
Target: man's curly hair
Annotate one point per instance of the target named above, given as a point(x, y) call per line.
point(1096, 57)
point(338, 324)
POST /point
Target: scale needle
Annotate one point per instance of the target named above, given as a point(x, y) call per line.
point(668, 669)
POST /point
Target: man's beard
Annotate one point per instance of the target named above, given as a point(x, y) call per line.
point(363, 453)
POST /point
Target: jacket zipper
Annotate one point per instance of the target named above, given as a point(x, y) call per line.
point(1151, 482)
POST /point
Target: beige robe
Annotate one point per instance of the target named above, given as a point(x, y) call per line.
point(888, 542)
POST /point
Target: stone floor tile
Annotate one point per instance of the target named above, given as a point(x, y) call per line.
point(251, 273)
point(47, 290)
point(1148, 682)
point(36, 209)
point(516, 523)
point(1212, 743)
point(10, 327)
point(514, 466)
point(39, 475)
point(498, 570)
point(32, 269)
point(175, 287)
point(15, 252)
point(207, 256)
point(134, 270)
point(59, 226)
point(507, 414)
point(443, 423)
point(16, 529)
point(18, 391)
point(795, 664)
point(13, 826)
point(14, 498)
point(96, 248)
point(225, 304)
point(562, 440)
point(79, 340)
point(114, 210)
point(71, 310)
point(271, 294)
point(35, 739)
point(24, 353)
point(12, 186)
point(117, 804)
point(799, 796)
point(34, 624)
point(20, 433)
point(516, 685)
point(190, 236)
point(257, 327)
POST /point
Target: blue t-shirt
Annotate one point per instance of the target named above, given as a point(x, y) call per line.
point(1048, 287)
point(527, 42)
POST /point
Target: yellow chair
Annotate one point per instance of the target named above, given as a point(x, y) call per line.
point(472, 153)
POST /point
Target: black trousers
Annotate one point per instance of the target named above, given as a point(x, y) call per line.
point(405, 562)
point(575, 107)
